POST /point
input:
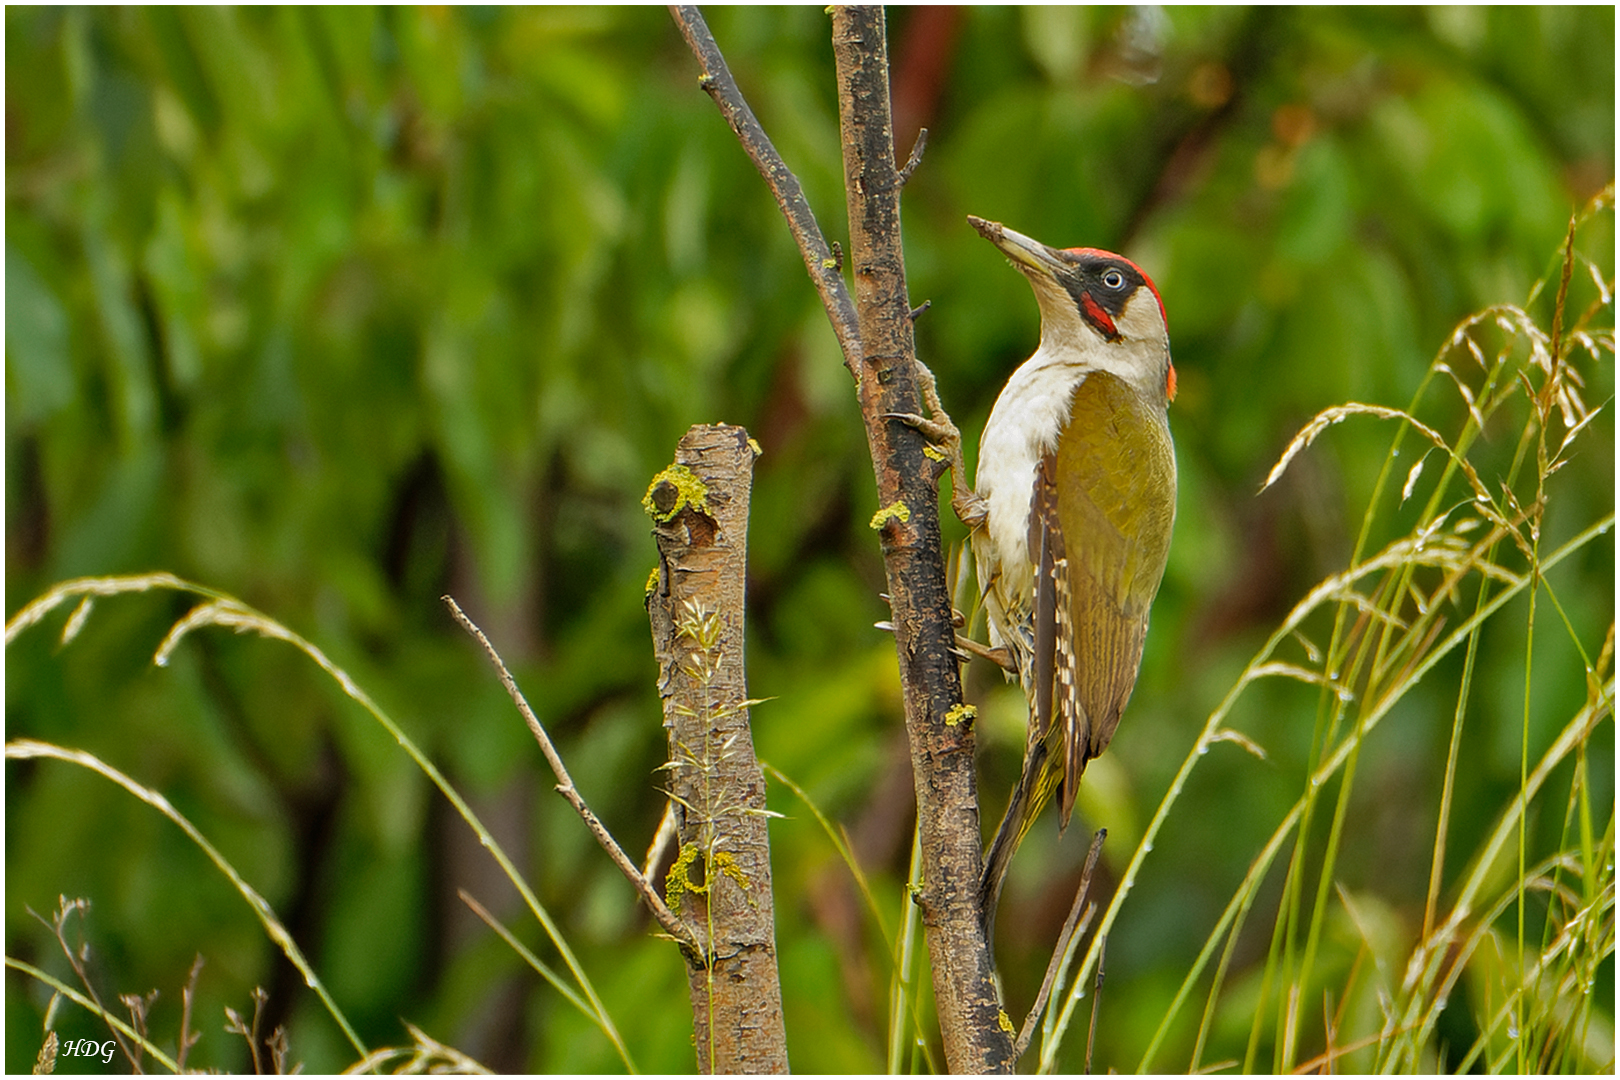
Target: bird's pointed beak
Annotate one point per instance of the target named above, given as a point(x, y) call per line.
point(1027, 254)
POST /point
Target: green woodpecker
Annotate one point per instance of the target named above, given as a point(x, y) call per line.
point(1076, 499)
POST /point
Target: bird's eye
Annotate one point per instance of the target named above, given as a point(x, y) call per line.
point(1113, 279)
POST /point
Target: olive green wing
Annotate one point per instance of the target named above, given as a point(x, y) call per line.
point(1115, 476)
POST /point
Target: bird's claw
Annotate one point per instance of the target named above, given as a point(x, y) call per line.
point(945, 442)
point(971, 509)
point(1001, 657)
point(937, 430)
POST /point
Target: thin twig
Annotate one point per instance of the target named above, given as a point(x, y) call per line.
point(139, 1009)
point(1073, 927)
point(76, 957)
point(916, 156)
point(236, 1026)
point(820, 259)
point(188, 997)
point(280, 1046)
point(565, 786)
point(1096, 999)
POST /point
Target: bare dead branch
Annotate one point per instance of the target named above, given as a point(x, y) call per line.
point(565, 787)
point(824, 262)
point(915, 158)
point(1073, 926)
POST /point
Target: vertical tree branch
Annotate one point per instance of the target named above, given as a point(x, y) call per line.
point(879, 351)
point(976, 1033)
point(720, 885)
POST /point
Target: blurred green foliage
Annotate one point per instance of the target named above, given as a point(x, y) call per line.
point(339, 309)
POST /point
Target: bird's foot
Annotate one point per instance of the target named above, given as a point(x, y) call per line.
point(938, 429)
point(1001, 657)
point(971, 509)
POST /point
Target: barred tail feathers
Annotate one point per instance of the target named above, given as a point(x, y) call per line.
point(1009, 834)
point(1043, 775)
